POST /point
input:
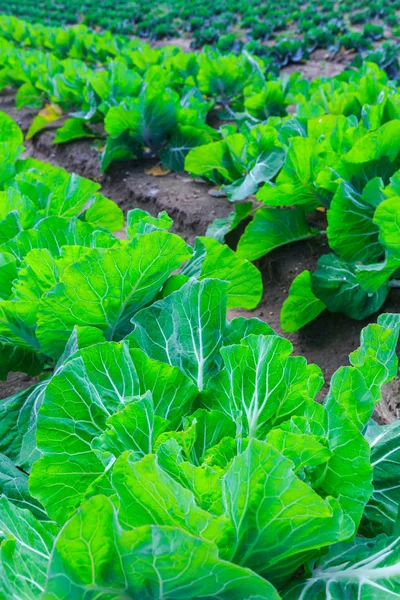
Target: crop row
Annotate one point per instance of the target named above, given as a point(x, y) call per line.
point(313, 31)
point(166, 452)
point(228, 25)
point(330, 145)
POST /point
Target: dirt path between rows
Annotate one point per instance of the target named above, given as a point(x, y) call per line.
point(327, 341)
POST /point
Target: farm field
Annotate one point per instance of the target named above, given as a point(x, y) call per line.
point(199, 301)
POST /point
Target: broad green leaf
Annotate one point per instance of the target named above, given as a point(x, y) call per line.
point(239, 161)
point(92, 550)
point(335, 284)
point(117, 81)
point(222, 454)
point(213, 260)
point(17, 210)
point(106, 287)
point(381, 142)
point(295, 184)
point(10, 133)
point(184, 139)
point(389, 321)
point(350, 454)
point(10, 226)
point(381, 512)
point(147, 495)
point(25, 552)
point(96, 395)
point(14, 486)
point(122, 147)
point(393, 188)
point(18, 425)
point(185, 438)
point(220, 162)
point(351, 230)
point(55, 232)
point(374, 364)
point(120, 119)
point(275, 515)
point(73, 129)
point(132, 427)
point(81, 337)
point(205, 483)
point(241, 327)
point(262, 385)
point(37, 276)
point(376, 357)
point(77, 404)
point(28, 96)
point(386, 218)
point(14, 358)
point(301, 306)
point(104, 213)
point(86, 554)
point(304, 450)
point(226, 76)
point(173, 392)
point(271, 228)
point(149, 118)
point(8, 272)
point(211, 427)
point(9, 154)
point(260, 169)
point(146, 555)
point(374, 277)
point(139, 221)
point(54, 191)
point(17, 324)
point(18, 413)
point(350, 389)
point(185, 329)
point(358, 569)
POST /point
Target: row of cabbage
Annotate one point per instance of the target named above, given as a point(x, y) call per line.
point(228, 26)
point(331, 145)
point(167, 452)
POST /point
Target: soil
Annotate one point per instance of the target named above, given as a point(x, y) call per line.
point(327, 341)
point(321, 64)
point(16, 382)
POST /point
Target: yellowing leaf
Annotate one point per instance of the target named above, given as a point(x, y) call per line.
point(48, 114)
point(157, 171)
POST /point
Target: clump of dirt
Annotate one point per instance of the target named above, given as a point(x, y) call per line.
point(16, 382)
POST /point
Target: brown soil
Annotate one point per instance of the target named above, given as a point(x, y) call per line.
point(327, 341)
point(321, 64)
point(182, 43)
point(16, 382)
